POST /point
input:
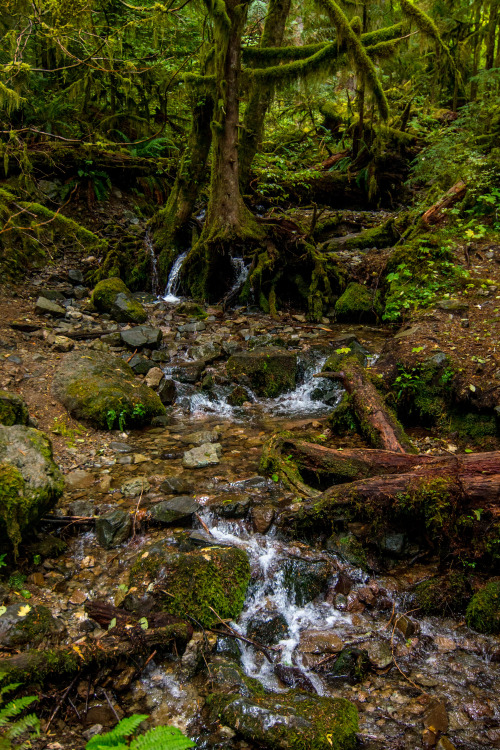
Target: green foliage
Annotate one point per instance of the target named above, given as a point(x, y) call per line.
point(122, 737)
point(16, 730)
point(138, 412)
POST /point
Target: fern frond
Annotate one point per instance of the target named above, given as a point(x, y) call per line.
point(14, 708)
point(162, 738)
point(29, 723)
point(125, 728)
point(13, 685)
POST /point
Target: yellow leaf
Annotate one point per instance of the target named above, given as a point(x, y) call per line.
point(78, 651)
point(23, 611)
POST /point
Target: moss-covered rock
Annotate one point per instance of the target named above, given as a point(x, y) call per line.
point(113, 296)
point(270, 371)
point(215, 577)
point(304, 580)
point(28, 625)
point(103, 389)
point(30, 481)
point(483, 612)
point(13, 409)
point(444, 596)
point(358, 304)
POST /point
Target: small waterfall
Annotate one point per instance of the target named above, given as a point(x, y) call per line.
point(173, 279)
point(241, 274)
point(154, 263)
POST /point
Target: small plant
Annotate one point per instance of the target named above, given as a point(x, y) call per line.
point(3, 564)
point(122, 737)
point(61, 427)
point(11, 727)
point(138, 411)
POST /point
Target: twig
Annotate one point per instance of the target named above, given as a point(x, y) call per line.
point(60, 702)
point(413, 684)
point(136, 511)
point(234, 634)
point(110, 704)
point(203, 524)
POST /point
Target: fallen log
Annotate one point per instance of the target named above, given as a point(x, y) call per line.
point(435, 213)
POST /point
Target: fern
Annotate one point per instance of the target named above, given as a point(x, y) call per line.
point(11, 728)
point(159, 738)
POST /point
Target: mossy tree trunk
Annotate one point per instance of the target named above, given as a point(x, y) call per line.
point(261, 94)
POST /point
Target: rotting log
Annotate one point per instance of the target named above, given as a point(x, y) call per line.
point(435, 213)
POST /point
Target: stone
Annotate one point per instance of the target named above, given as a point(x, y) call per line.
point(358, 304)
point(319, 642)
point(134, 487)
point(233, 506)
point(175, 486)
point(187, 372)
point(207, 352)
point(63, 344)
point(207, 454)
point(80, 292)
point(305, 580)
point(113, 528)
point(436, 717)
point(112, 296)
point(25, 325)
point(379, 653)
point(262, 518)
point(27, 624)
point(140, 337)
point(178, 510)
point(454, 306)
point(154, 377)
point(445, 744)
point(406, 626)
point(268, 630)
point(351, 666)
point(13, 409)
point(45, 306)
point(160, 356)
point(141, 365)
point(52, 294)
point(270, 371)
point(483, 611)
point(75, 276)
point(102, 388)
point(167, 391)
point(294, 678)
point(119, 447)
point(393, 544)
point(79, 479)
point(200, 437)
point(239, 396)
point(192, 327)
point(30, 481)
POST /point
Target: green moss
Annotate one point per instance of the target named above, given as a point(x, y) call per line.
point(351, 549)
point(271, 371)
point(13, 409)
point(192, 309)
point(33, 629)
point(358, 304)
point(483, 612)
point(13, 504)
point(384, 235)
point(444, 595)
point(114, 297)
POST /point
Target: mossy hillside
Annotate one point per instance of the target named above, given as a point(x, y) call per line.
point(216, 577)
point(114, 297)
point(102, 388)
point(483, 612)
point(30, 481)
point(294, 721)
point(270, 371)
point(13, 409)
point(358, 304)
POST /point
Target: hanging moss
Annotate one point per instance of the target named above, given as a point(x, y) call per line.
point(427, 26)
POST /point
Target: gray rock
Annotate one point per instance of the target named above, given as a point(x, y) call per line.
point(206, 352)
point(167, 391)
point(141, 337)
point(134, 487)
point(141, 365)
point(178, 510)
point(379, 653)
point(154, 377)
point(393, 544)
point(187, 372)
point(45, 306)
point(119, 447)
point(207, 454)
point(29, 624)
point(233, 506)
point(75, 276)
point(160, 355)
point(269, 371)
point(113, 528)
point(176, 486)
point(454, 306)
point(438, 359)
point(113, 339)
point(52, 294)
point(192, 327)
point(200, 437)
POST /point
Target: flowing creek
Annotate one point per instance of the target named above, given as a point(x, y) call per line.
point(447, 668)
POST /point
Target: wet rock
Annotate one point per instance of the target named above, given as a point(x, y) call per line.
point(26, 624)
point(135, 487)
point(102, 388)
point(13, 409)
point(286, 722)
point(201, 437)
point(45, 306)
point(178, 510)
point(206, 352)
point(154, 377)
point(445, 744)
point(393, 544)
point(351, 666)
point(198, 326)
point(268, 630)
point(167, 391)
point(349, 548)
point(118, 447)
point(358, 304)
point(141, 365)
point(229, 677)
point(30, 481)
point(233, 506)
point(436, 717)
point(239, 396)
point(196, 580)
point(160, 355)
point(187, 372)
point(270, 371)
point(75, 276)
point(379, 653)
point(53, 295)
point(207, 454)
point(141, 337)
point(113, 528)
point(294, 678)
point(343, 584)
point(262, 518)
point(83, 508)
point(200, 538)
point(79, 479)
point(305, 580)
point(176, 486)
point(319, 642)
point(406, 626)
point(112, 296)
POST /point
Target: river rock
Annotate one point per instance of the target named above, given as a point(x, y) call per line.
point(79, 479)
point(232, 506)
point(201, 437)
point(154, 377)
point(63, 344)
point(379, 653)
point(239, 396)
point(214, 577)
point(207, 454)
point(52, 294)
point(13, 409)
point(140, 337)
point(75, 276)
point(351, 666)
point(135, 487)
point(319, 642)
point(113, 528)
point(45, 306)
point(24, 624)
point(304, 580)
point(268, 630)
point(167, 391)
point(112, 296)
point(101, 387)
point(141, 365)
point(358, 304)
point(262, 518)
point(270, 371)
point(176, 486)
point(294, 677)
point(406, 626)
point(206, 352)
point(30, 481)
point(187, 372)
point(178, 510)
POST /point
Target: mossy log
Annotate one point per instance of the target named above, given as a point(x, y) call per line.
point(435, 212)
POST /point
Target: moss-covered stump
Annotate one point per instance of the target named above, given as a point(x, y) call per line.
point(358, 304)
point(13, 409)
point(295, 721)
point(30, 481)
point(191, 583)
point(113, 296)
point(483, 612)
point(269, 371)
point(103, 389)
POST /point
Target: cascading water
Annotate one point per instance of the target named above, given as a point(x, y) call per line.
point(154, 263)
point(173, 279)
point(241, 275)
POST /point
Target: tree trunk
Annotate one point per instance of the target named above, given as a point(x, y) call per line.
point(261, 95)
point(490, 39)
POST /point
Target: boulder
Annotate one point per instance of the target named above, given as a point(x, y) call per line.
point(13, 409)
point(167, 391)
point(187, 372)
point(178, 510)
point(113, 296)
point(483, 612)
point(268, 630)
point(214, 577)
point(103, 389)
point(45, 306)
point(141, 365)
point(113, 528)
point(28, 625)
point(239, 396)
point(207, 454)
point(358, 304)
point(175, 486)
point(30, 481)
point(270, 371)
point(140, 337)
point(304, 580)
point(154, 377)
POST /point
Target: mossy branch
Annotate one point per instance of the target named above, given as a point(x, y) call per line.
point(427, 26)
